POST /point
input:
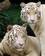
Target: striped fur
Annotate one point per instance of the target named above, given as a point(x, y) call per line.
point(34, 14)
point(17, 43)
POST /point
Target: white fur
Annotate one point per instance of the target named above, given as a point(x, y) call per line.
point(38, 26)
point(19, 44)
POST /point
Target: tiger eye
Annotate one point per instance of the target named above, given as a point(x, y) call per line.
point(12, 39)
point(22, 13)
point(28, 12)
point(28, 8)
point(36, 12)
point(15, 35)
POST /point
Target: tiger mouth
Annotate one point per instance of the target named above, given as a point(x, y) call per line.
point(20, 49)
point(31, 23)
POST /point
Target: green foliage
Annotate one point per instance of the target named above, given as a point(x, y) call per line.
point(4, 21)
point(7, 17)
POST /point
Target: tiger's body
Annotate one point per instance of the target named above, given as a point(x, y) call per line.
point(34, 14)
point(17, 43)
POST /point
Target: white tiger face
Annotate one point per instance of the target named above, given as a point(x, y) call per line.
point(17, 37)
point(30, 13)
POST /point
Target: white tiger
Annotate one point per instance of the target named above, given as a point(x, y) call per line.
point(17, 43)
point(34, 14)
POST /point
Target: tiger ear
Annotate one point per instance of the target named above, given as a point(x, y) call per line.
point(38, 4)
point(9, 27)
point(22, 5)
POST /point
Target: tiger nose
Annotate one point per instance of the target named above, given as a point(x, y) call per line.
point(21, 44)
point(32, 20)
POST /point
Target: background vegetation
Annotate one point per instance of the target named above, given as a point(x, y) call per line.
point(10, 16)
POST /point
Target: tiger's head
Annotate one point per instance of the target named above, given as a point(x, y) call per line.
point(17, 37)
point(30, 12)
